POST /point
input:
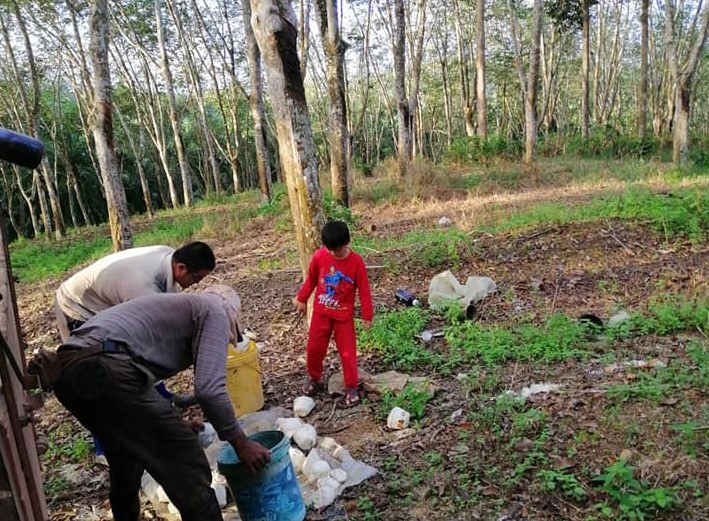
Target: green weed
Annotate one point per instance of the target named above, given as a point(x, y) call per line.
point(567, 484)
point(630, 498)
point(392, 335)
point(367, 509)
point(411, 398)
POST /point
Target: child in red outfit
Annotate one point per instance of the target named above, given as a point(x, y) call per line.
point(336, 273)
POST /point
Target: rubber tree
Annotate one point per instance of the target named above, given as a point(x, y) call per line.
point(121, 233)
point(275, 27)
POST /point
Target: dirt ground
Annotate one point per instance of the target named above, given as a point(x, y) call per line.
point(571, 268)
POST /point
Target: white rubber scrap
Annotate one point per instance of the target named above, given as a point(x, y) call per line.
point(289, 425)
point(297, 458)
point(303, 405)
point(398, 418)
point(306, 437)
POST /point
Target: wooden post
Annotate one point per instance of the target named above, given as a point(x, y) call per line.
point(21, 492)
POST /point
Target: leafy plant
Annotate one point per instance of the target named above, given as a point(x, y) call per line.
point(411, 398)
point(367, 509)
point(567, 484)
point(630, 498)
point(393, 336)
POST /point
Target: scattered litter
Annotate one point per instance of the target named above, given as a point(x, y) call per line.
point(533, 389)
point(445, 289)
point(303, 405)
point(639, 364)
point(444, 222)
point(305, 437)
point(289, 425)
point(618, 318)
point(398, 418)
point(430, 334)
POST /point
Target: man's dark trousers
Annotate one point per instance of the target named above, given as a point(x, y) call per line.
point(140, 431)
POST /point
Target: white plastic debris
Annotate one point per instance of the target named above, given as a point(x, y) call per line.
point(445, 289)
point(322, 498)
point(619, 317)
point(339, 475)
point(444, 222)
point(161, 495)
point(320, 469)
point(289, 425)
point(297, 458)
point(220, 492)
point(306, 437)
point(328, 482)
point(303, 405)
point(398, 418)
point(206, 436)
point(312, 458)
point(533, 389)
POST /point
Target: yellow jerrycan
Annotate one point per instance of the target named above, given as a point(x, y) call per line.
point(243, 378)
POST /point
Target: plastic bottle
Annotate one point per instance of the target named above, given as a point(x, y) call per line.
point(407, 298)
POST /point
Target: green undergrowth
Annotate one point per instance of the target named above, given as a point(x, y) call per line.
point(524, 339)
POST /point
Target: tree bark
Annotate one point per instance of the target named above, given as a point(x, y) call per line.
point(172, 108)
point(274, 25)
point(403, 112)
point(644, 51)
point(258, 113)
point(326, 11)
point(121, 233)
point(682, 77)
point(480, 68)
point(463, 73)
point(585, 64)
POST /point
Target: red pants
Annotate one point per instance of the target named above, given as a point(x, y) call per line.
point(322, 328)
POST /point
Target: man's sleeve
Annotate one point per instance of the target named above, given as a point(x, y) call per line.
point(212, 337)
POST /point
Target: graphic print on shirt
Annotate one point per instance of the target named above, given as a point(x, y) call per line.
point(331, 281)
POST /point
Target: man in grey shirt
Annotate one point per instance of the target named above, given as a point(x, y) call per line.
point(111, 393)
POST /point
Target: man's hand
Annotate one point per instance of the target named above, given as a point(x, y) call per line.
point(195, 424)
point(367, 324)
point(254, 455)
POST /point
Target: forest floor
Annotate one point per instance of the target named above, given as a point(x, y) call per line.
point(471, 456)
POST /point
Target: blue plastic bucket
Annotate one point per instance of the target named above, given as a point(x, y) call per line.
point(272, 494)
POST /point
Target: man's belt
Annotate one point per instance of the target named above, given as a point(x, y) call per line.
point(112, 346)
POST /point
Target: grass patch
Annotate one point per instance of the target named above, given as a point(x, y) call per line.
point(683, 214)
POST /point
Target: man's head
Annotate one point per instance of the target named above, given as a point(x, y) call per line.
point(232, 305)
point(335, 235)
point(192, 263)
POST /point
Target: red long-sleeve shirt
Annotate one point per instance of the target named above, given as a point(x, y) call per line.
point(335, 282)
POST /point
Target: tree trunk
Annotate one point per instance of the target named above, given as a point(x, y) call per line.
point(138, 152)
point(34, 117)
point(274, 25)
point(404, 116)
point(463, 73)
point(326, 11)
point(642, 91)
point(585, 63)
point(172, 108)
point(258, 114)
point(121, 233)
point(682, 77)
point(480, 68)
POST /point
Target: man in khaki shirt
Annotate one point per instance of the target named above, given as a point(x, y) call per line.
point(127, 274)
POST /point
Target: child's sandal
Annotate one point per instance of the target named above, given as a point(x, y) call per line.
point(351, 398)
point(311, 387)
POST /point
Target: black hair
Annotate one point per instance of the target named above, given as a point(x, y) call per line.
point(197, 256)
point(335, 234)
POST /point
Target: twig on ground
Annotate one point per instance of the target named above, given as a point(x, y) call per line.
point(334, 406)
point(611, 231)
point(525, 238)
point(553, 301)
